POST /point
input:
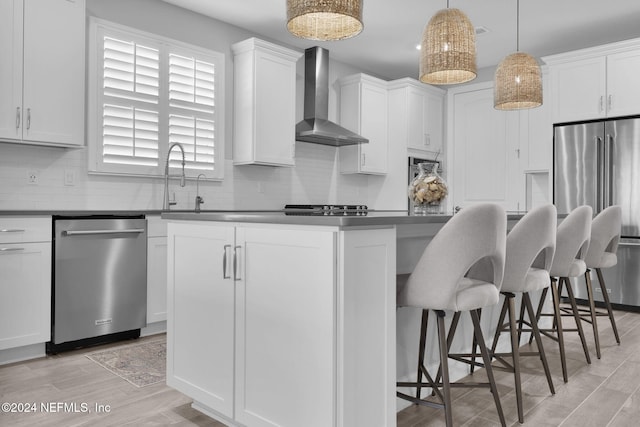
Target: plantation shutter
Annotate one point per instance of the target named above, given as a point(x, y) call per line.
point(191, 110)
point(147, 93)
point(131, 85)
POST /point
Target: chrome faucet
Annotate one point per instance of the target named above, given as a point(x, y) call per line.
point(199, 199)
point(166, 204)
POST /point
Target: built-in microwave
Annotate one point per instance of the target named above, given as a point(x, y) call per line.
point(413, 172)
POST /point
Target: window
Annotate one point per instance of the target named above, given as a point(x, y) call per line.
point(148, 92)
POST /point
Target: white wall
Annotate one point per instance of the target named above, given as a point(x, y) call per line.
point(314, 179)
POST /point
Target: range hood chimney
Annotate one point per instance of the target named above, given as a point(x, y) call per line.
point(316, 127)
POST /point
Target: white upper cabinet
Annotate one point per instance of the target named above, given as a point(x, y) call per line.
point(264, 103)
point(42, 73)
point(363, 110)
point(595, 83)
point(416, 112)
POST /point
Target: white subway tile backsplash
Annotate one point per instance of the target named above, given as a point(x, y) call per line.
point(314, 179)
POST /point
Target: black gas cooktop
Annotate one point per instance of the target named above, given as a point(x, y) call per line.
point(321, 210)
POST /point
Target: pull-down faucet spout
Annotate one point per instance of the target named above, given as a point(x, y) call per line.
point(166, 204)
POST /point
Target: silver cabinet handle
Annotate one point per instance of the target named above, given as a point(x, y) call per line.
point(601, 104)
point(90, 232)
point(224, 262)
point(28, 118)
point(610, 103)
point(12, 230)
point(236, 274)
point(17, 117)
point(11, 249)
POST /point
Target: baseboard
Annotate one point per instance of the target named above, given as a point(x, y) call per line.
point(154, 328)
point(20, 354)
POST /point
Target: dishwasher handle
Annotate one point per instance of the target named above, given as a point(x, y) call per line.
point(110, 231)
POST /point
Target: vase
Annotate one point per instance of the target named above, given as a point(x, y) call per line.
point(427, 190)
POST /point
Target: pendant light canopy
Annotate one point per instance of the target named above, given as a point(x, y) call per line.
point(518, 79)
point(324, 19)
point(448, 49)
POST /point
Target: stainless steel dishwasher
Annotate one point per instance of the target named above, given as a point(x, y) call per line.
point(99, 291)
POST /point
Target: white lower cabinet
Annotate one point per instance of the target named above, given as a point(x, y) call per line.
point(250, 333)
point(25, 281)
point(258, 333)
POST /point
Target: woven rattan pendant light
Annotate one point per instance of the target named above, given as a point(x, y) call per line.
point(324, 19)
point(518, 79)
point(448, 49)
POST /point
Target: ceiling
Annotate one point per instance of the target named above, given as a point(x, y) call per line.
point(392, 29)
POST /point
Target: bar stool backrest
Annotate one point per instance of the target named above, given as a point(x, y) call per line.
point(530, 243)
point(572, 242)
point(475, 233)
point(605, 237)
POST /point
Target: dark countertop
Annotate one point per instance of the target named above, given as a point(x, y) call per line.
point(372, 218)
point(76, 212)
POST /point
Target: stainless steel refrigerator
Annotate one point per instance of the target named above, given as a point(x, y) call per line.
point(598, 164)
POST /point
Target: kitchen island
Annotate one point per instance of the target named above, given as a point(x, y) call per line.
point(289, 320)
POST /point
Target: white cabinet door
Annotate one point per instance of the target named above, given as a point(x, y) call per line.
point(54, 71)
point(363, 110)
point(623, 85)
point(424, 120)
point(578, 90)
point(11, 69)
point(25, 294)
point(486, 166)
point(265, 103)
point(285, 344)
point(434, 120)
point(200, 332)
point(43, 82)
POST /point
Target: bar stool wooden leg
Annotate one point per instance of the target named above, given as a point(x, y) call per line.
point(450, 336)
point(607, 303)
point(423, 339)
point(444, 366)
point(487, 363)
point(592, 310)
point(576, 315)
point(543, 297)
point(558, 327)
point(526, 301)
point(515, 352)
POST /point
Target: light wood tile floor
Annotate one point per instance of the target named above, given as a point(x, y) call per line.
point(605, 393)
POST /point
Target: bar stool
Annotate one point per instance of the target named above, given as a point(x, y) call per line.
point(572, 241)
point(442, 281)
point(530, 248)
point(605, 237)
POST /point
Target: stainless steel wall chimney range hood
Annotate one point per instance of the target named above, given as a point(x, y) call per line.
point(316, 127)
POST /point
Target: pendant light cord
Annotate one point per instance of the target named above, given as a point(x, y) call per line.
point(518, 26)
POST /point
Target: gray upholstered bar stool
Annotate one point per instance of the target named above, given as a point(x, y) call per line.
point(572, 241)
point(441, 281)
point(530, 248)
point(605, 236)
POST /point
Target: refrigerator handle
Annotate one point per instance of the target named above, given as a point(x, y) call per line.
point(600, 178)
point(607, 181)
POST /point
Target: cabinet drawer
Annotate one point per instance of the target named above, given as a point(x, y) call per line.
point(25, 229)
point(156, 226)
